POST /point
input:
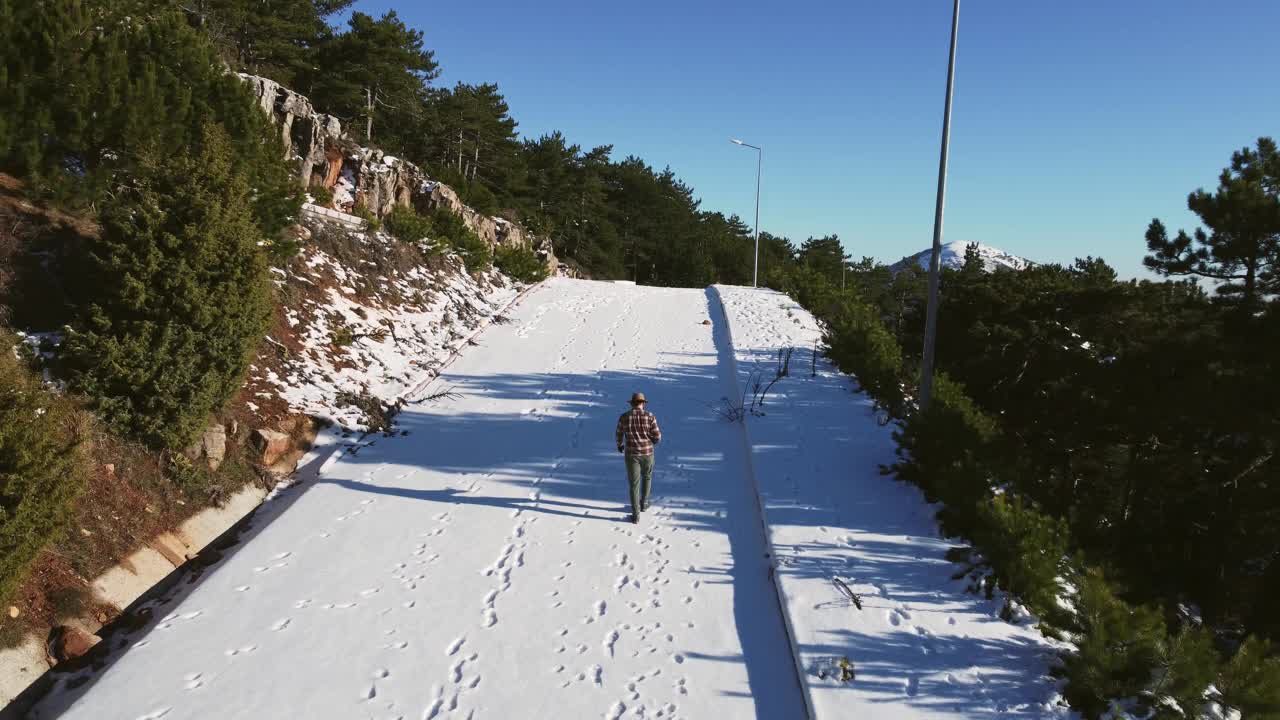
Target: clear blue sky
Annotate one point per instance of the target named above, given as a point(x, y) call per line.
point(1074, 124)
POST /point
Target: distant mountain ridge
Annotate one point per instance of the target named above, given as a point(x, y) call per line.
point(993, 258)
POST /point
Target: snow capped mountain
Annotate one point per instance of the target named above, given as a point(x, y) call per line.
point(953, 257)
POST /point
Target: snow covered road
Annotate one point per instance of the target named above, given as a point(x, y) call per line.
point(481, 565)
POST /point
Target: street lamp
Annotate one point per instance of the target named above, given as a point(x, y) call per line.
point(931, 315)
point(755, 267)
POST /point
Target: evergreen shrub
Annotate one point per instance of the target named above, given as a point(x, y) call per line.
point(406, 225)
point(175, 296)
point(521, 263)
point(860, 345)
point(43, 467)
point(1118, 647)
point(947, 451)
point(474, 251)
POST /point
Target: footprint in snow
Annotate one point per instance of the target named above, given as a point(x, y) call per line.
point(911, 686)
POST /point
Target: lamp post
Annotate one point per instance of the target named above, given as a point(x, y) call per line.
point(755, 265)
point(931, 315)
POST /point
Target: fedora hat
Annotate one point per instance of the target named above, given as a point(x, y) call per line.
point(638, 398)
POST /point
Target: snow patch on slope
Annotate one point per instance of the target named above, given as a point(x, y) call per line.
point(369, 332)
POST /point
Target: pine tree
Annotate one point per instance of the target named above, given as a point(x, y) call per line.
point(973, 263)
point(1187, 666)
point(825, 255)
point(1026, 549)
point(376, 69)
point(1250, 682)
point(777, 255)
point(175, 295)
point(1116, 651)
point(474, 138)
point(276, 38)
point(89, 88)
point(1242, 247)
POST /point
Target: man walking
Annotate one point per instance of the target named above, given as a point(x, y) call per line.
point(637, 434)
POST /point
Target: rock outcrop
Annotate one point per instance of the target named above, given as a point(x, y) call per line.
point(211, 447)
point(68, 642)
point(271, 445)
point(361, 177)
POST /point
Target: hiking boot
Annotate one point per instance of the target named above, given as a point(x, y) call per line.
point(635, 518)
point(644, 506)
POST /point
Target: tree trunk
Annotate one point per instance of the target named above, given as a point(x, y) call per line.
point(476, 162)
point(1250, 280)
point(1128, 484)
point(368, 122)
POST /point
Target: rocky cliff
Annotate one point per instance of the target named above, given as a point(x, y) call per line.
point(367, 177)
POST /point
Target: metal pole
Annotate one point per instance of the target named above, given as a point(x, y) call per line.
point(755, 270)
point(755, 267)
point(931, 315)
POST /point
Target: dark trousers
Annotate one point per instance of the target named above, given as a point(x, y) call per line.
point(640, 478)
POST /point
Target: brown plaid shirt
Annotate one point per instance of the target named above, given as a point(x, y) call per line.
point(640, 430)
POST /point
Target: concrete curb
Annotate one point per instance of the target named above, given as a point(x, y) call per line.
point(747, 445)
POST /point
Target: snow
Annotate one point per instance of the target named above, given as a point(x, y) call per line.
point(43, 349)
point(344, 190)
point(482, 566)
point(952, 256)
point(394, 346)
point(921, 645)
